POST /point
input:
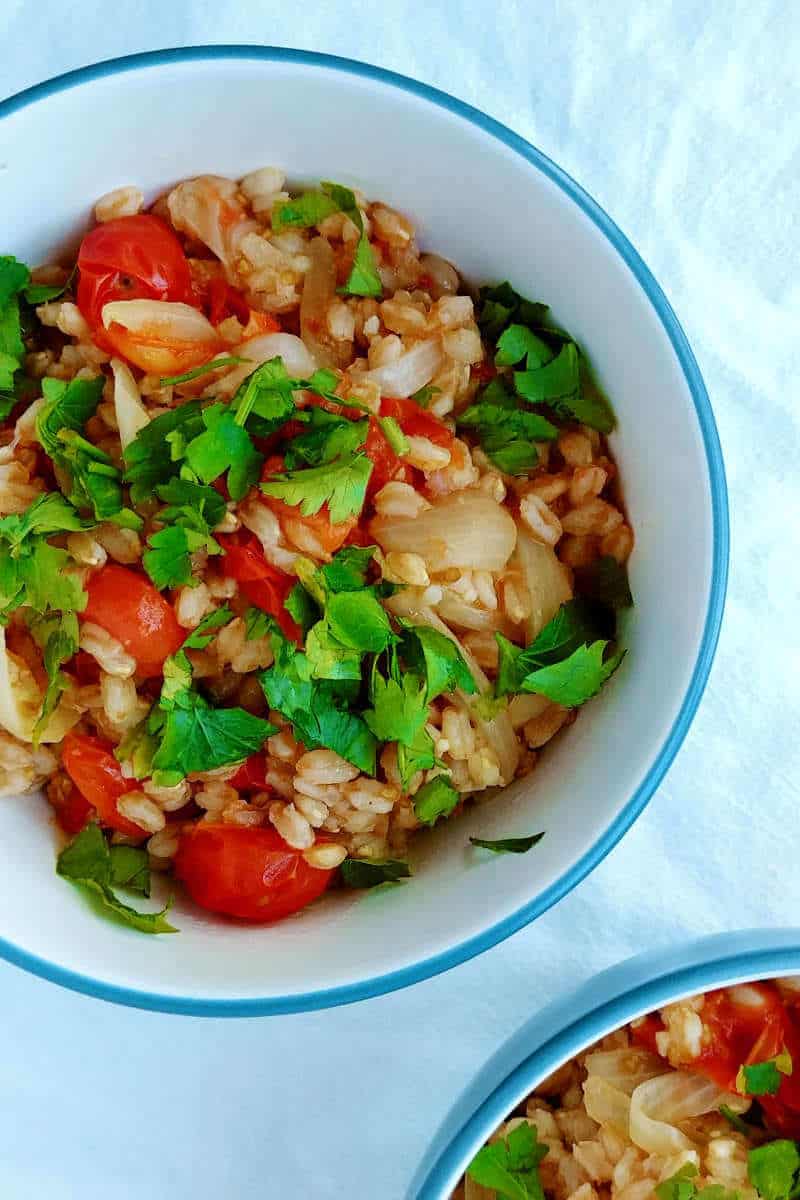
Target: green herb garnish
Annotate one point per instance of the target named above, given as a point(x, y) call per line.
point(89, 863)
point(369, 873)
point(514, 845)
point(510, 1165)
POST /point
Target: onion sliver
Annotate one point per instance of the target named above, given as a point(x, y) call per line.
point(546, 579)
point(467, 530)
point(319, 289)
point(659, 1105)
point(411, 371)
point(161, 319)
point(128, 408)
point(21, 701)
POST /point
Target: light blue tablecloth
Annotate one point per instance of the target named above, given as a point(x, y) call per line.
point(682, 120)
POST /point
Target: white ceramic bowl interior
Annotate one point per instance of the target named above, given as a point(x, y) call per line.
point(571, 1023)
point(488, 201)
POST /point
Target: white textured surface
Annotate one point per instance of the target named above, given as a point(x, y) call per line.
point(684, 127)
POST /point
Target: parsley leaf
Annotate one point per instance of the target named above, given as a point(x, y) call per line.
point(57, 635)
point(369, 873)
point(327, 437)
point(774, 1170)
point(764, 1078)
point(576, 679)
point(168, 561)
point(14, 276)
point(224, 446)
point(130, 868)
point(186, 500)
point(328, 658)
point(347, 570)
point(416, 755)
point(341, 484)
point(518, 342)
point(363, 279)
point(301, 607)
point(153, 457)
point(66, 406)
point(359, 621)
point(32, 572)
point(425, 394)
point(500, 305)
point(508, 434)
point(49, 513)
point(510, 1166)
point(309, 209)
point(87, 862)
point(437, 658)
point(435, 799)
point(197, 737)
point(399, 708)
point(515, 845)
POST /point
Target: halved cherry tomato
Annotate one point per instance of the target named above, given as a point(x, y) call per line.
point(252, 775)
point(92, 767)
point(263, 585)
point(644, 1031)
point(415, 422)
point(130, 258)
point(386, 466)
point(224, 301)
point(245, 872)
point(126, 605)
point(73, 811)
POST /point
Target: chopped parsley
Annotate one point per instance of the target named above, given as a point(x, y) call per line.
point(89, 863)
point(437, 658)
point(507, 433)
point(764, 1078)
point(14, 278)
point(774, 1170)
point(224, 447)
point(230, 360)
point(341, 484)
point(326, 438)
point(436, 798)
point(510, 1165)
point(567, 662)
point(57, 636)
point(370, 873)
point(347, 570)
point(606, 581)
point(359, 621)
point(312, 208)
point(514, 845)
point(33, 573)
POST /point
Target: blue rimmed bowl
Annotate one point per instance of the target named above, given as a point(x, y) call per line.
point(571, 1024)
point(500, 209)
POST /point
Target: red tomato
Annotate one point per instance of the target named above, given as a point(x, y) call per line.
point(644, 1032)
point(262, 584)
point(251, 776)
point(740, 1032)
point(126, 605)
point(783, 1110)
point(130, 258)
point(415, 422)
point(85, 668)
point(312, 534)
point(224, 301)
point(386, 465)
point(73, 811)
point(92, 767)
point(245, 872)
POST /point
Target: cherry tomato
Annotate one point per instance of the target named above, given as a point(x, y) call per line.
point(782, 1111)
point(262, 584)
point(224, 301)
point(740, 1032)
point(73, 811)
point(644, 1032)
point(245, 872)
point(415, 422)
point(92, 767)
point(251, 776)
point(130, 258)
point(126, 605)
point(386, 466)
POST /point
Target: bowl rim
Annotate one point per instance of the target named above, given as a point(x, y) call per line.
point(443, 960)
point(566, 1026)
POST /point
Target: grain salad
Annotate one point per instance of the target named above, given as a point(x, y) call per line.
point(698, 1101)
point(303, 543)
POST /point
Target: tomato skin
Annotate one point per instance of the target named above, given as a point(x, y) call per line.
point(126, 605)
point(252, 775)
point(250, 873)
point(131, 258)
point(73, 812)
point(92, 767)
point(644, 1032)
point(262, 584)
point(415, 422)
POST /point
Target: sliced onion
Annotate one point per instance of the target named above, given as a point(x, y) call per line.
point(319, 289)
point(659, 1105)
point(546, 579)
point(411, 371)
point(160, 319)
point(499, 732)
point(21, 701)
point(625, 1068)
point(456, 611)
point(606, 1104)
point(468, 529)
point(208, 208)
point(128, 408)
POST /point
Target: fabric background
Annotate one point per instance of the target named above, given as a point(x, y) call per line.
point(682, 120)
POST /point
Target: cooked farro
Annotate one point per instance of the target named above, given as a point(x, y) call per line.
point(294, 502)
point(701, 1094)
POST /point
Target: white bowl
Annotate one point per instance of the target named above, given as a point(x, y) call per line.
point(499, 209)
point(570, 1024)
